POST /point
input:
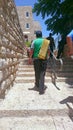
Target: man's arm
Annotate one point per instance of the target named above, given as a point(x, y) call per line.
point(31, 53)
point(32, 49)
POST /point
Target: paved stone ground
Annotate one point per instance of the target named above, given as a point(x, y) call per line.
point(36, 123)
point(24, 109)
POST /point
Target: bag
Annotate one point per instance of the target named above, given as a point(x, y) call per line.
point(44, 49)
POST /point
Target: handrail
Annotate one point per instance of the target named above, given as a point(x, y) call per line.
point(53, 64)
point(60, 59)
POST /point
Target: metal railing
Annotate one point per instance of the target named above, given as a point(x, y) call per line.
point(52, 62)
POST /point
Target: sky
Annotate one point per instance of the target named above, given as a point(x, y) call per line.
point(37, 18)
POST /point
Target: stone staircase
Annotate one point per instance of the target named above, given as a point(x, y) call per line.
point(25, 109)
point(25, 72)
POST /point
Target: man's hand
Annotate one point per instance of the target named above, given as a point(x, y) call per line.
point(30, 61)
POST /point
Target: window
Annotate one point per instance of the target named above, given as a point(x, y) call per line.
point(27, 14)
point(27, 25)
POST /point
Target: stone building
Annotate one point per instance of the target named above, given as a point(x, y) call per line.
point(28, 25)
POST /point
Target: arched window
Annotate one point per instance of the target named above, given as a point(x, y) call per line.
point(27, 25)
point(27, 14)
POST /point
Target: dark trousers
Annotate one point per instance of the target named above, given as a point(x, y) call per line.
point(40, 69)
point(51, 52)
point(60, 52)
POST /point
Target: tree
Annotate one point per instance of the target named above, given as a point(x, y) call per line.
point(59, 14)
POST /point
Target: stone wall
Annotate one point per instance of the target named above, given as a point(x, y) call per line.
point(12, 46)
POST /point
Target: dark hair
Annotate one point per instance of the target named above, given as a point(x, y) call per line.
point(50, 34)
point(38, 34)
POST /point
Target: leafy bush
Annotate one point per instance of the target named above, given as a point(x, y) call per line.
point(27, 43)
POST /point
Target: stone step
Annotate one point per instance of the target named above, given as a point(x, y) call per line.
point(24, 99)
point(57, 64)
point(36, 122)
point(25, 66)
point(65, 73)
point(67, 68)
point(64, 67)
point(49, 73)
point(26, 72)
point(58, 71)
point(47, 79)
point(62, 74)
point(34, 112)
point(49, 69)
point(65, 63)
point(24, 109)
point(67, 59)
point(26, 69)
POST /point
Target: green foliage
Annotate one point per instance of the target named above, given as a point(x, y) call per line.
point(59, 14)
point(27, 43)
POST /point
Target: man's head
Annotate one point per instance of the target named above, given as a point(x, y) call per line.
point(50, 34)
point(38, 34)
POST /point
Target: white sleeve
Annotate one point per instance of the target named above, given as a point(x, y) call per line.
point(32, 45)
